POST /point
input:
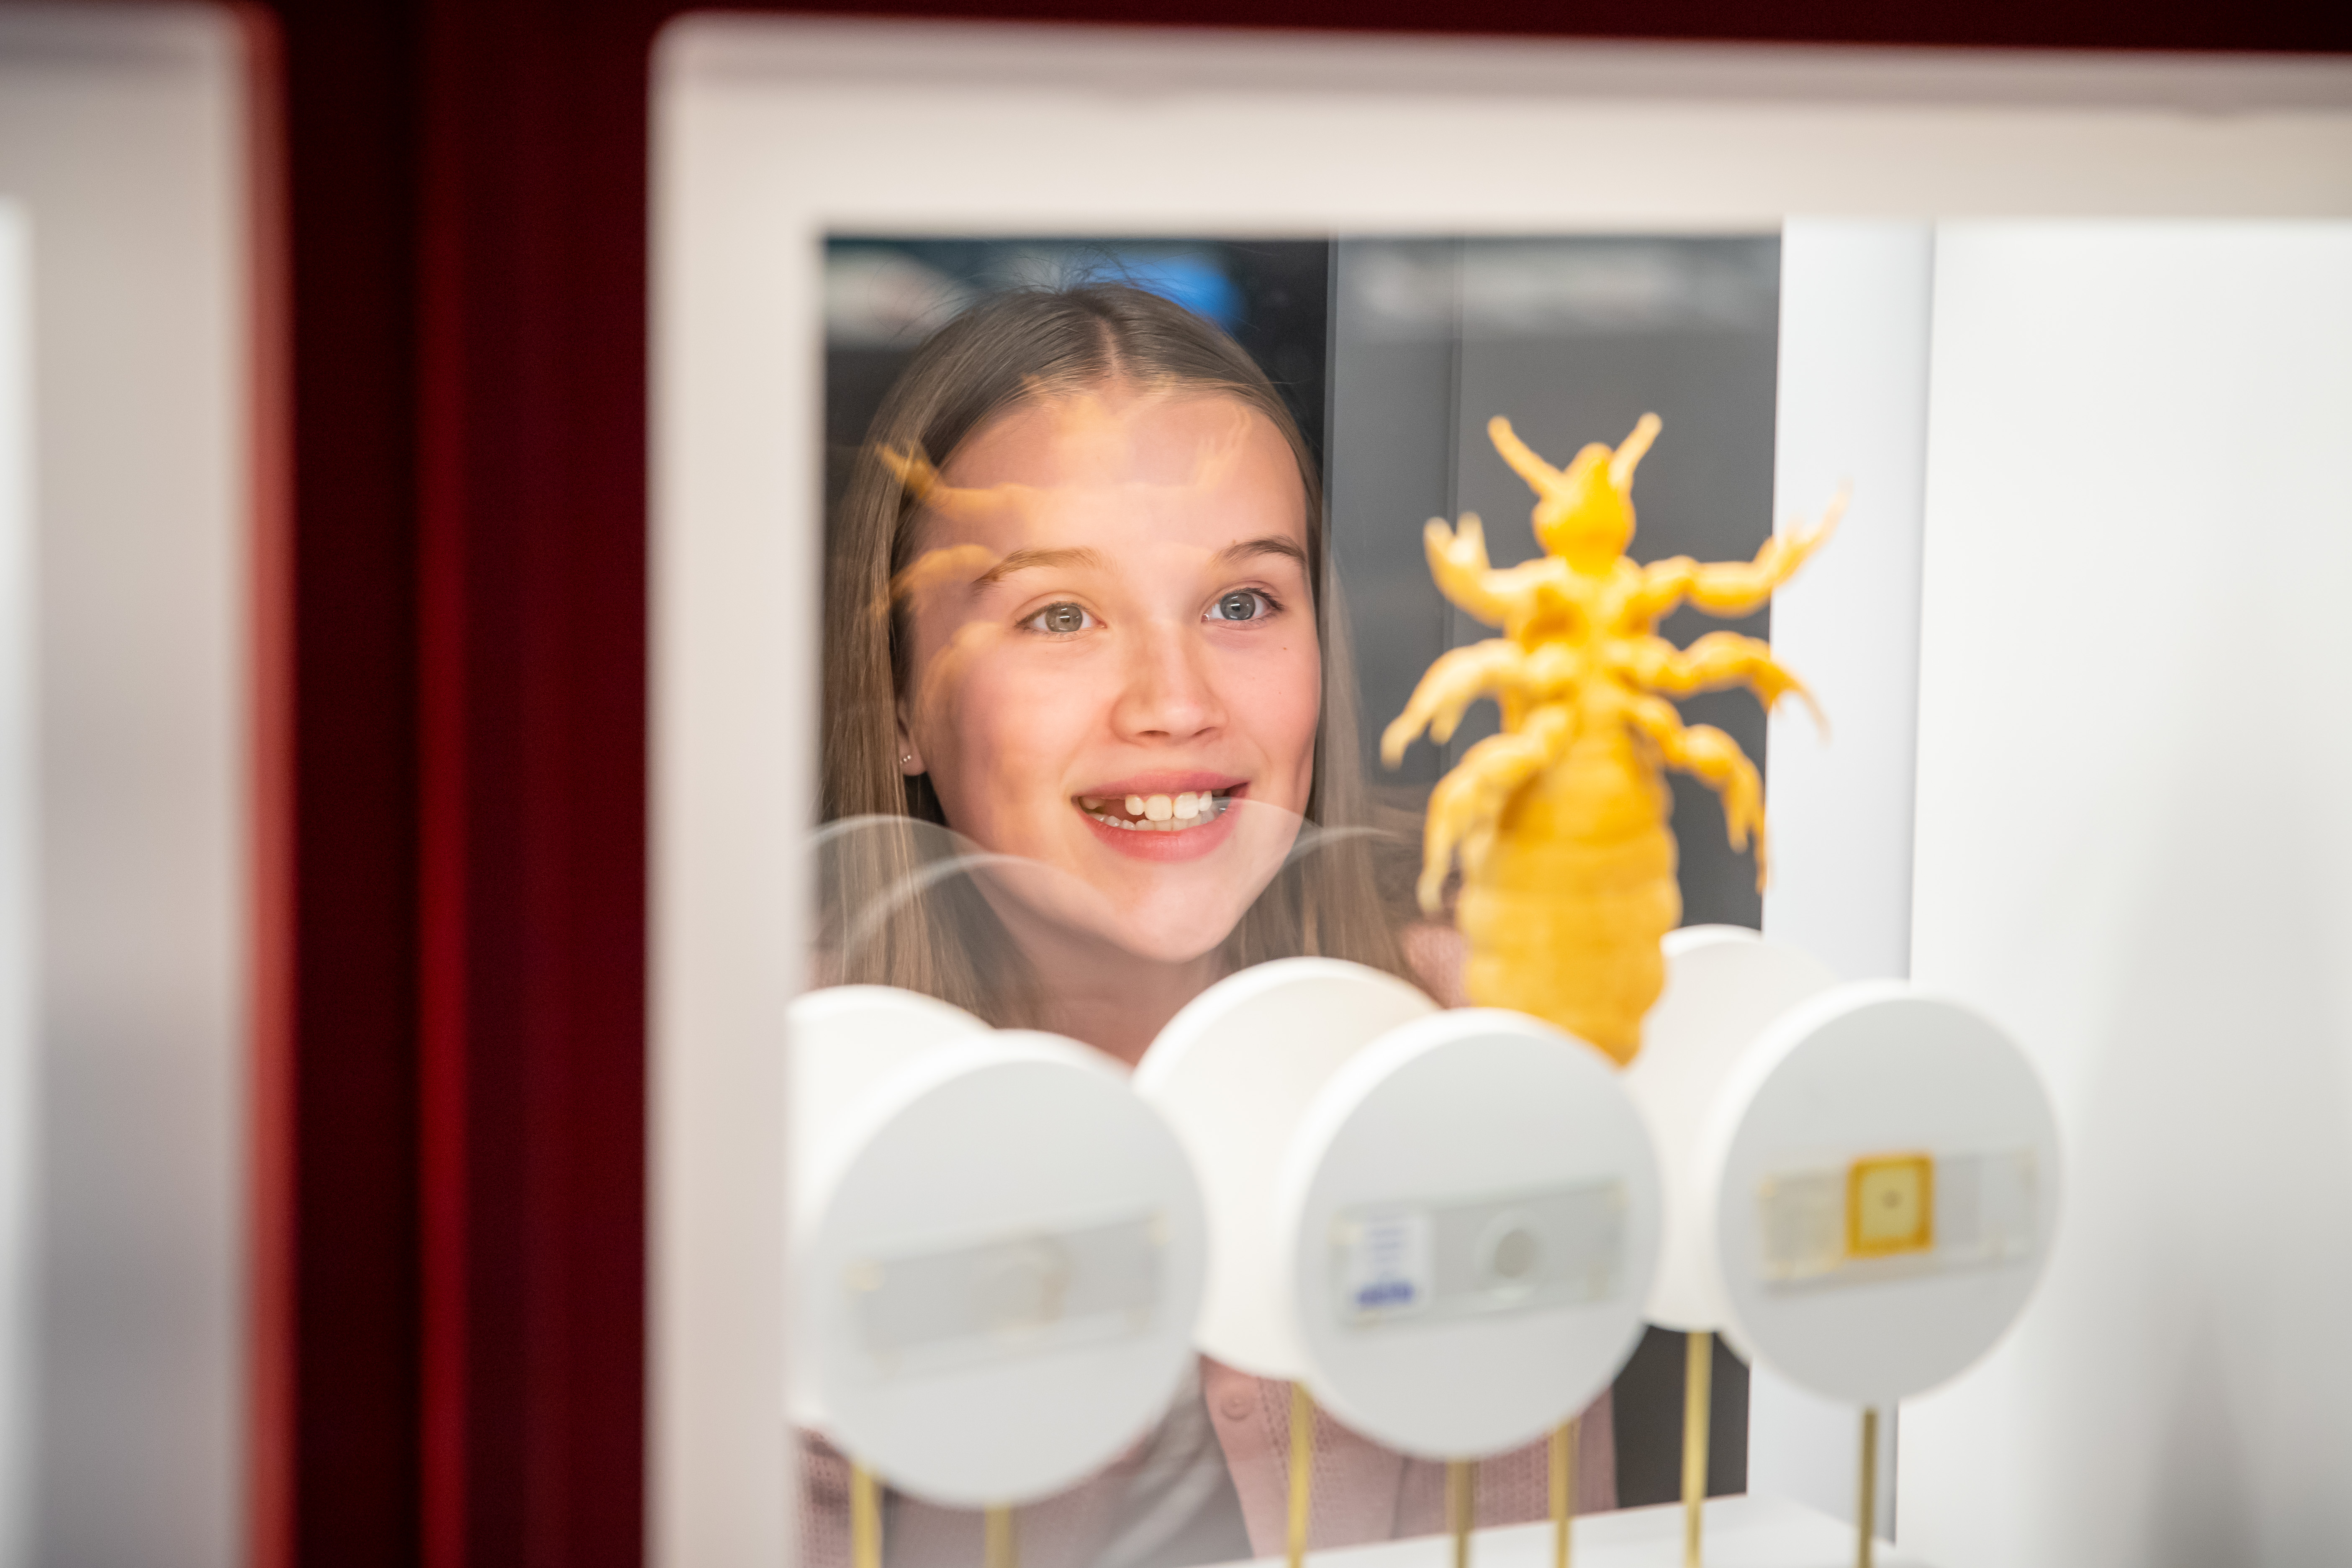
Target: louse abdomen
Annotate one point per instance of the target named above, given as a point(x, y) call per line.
point(1565, 913)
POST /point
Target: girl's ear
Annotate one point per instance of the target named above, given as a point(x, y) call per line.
point(910, 756)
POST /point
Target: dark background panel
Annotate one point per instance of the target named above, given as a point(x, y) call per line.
point(1688, 329)
point(1390, 466)
point(1572, 340)
point(1649, 1413)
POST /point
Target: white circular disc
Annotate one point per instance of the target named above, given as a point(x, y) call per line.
point(1885, 1168)
point(1723, 984)
point(845, 1039)
point(1471, 1212)
point(1233, 1073)
point(998, 1295)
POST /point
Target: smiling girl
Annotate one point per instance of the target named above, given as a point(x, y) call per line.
point(1107, 603)
point(1079, 622)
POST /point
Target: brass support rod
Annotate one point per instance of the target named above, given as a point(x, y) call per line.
point(1563, 1490)
point(1698, 1379)
point(998, 1549)
point(865, 1519)
point(1302, 1464)
point(1460, 1506)
point(1865, 1512)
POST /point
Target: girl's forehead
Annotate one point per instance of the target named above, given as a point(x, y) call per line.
point(1130, 465)
point(1121, 436)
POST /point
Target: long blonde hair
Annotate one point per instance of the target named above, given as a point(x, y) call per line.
point(897, 912)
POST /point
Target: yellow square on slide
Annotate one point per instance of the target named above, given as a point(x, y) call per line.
point(1890, 1205)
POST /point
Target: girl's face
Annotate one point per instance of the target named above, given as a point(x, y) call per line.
point(1113, 669)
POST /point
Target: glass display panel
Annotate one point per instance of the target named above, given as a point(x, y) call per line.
point(1126, 576)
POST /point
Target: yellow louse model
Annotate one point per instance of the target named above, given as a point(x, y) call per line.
point(1567, 868)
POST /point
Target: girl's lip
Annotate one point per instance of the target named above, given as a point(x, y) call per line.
point(1185, 844)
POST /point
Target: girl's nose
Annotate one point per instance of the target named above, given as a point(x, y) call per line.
point(1168, 694)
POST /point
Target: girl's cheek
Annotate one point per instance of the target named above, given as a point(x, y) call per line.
point(1026, 716)
point(951, 669)
point(1293, 705)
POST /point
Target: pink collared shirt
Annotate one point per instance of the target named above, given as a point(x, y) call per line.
point(1361, 1492)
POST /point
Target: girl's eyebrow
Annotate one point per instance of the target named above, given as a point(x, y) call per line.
point(1024, 559)
point(1270, 544)
point(1092, 560)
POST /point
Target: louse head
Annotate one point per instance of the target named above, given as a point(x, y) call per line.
point(1584, 512)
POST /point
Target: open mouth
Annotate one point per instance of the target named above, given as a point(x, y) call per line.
point(1158, 813)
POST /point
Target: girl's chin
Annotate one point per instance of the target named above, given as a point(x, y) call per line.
point(1160, 934)
point(1157, 934)
point(1152, 942)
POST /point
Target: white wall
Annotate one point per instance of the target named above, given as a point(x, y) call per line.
point(1855, 313)
point(2134, 847)
point(121, 144)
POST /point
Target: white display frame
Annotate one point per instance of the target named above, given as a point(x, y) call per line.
point(770, 131)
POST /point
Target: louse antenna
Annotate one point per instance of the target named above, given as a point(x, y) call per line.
point(1524, 459)
point(1629, 454)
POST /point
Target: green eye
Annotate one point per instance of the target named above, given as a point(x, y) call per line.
point(1062, 619)
point(1241, 604)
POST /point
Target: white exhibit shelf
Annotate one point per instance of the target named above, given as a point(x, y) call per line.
point(1746, 1532)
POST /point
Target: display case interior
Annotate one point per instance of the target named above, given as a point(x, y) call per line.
point(1386, 358)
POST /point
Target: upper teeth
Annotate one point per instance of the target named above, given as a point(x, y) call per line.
point(1155, 810)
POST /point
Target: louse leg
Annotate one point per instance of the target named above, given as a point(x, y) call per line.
point(1457, 563)
point(1467, 804)
point(1731, 588)
point(1715, 759)
point(1734, 587)
point(1457, 680)
point(1717, 660)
